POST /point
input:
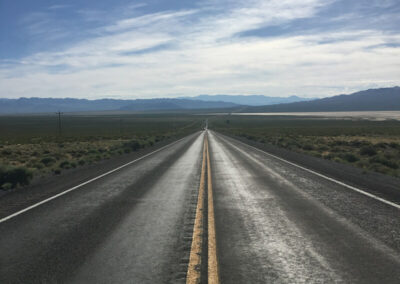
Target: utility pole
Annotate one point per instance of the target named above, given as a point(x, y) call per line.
point(59, 122)
point(120, 127)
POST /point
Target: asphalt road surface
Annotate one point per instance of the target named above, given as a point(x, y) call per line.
point(206, 208)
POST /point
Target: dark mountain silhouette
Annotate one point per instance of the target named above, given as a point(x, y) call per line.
point(369, 100)
point(250, 100)
point(37, 105)
point(43, 105)
point(174, 104)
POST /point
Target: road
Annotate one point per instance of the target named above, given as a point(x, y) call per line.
point(205, 208)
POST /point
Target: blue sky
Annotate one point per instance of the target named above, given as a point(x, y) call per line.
point(133, 49)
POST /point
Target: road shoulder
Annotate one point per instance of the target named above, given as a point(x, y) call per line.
point(384, 186)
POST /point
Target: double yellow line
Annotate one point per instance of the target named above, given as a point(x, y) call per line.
point(195, 259)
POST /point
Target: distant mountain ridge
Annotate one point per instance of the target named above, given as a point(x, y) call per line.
point(37, 105)
point(383, 99)
point(368, 100)
point(249, 100)
point(174, 104)
point(45, 105)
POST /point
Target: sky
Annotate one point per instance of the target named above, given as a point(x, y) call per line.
point(133, 49)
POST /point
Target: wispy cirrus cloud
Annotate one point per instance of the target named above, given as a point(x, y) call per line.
point(58, 6)
point(215, 47)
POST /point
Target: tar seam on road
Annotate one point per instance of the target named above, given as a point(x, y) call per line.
point(84, 183)
point(213, 274)
point(194, 267)
point(373, 196)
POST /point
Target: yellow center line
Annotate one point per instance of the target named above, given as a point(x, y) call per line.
point(194, 267)
point(195, 261)
point(213, 273)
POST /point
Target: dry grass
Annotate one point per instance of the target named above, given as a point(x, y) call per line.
point(32, 143)
point(370, 145)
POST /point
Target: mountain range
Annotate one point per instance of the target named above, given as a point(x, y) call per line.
point(369, 100)
point(383, 99)
point(175, 104)
point(249, 100)
point(46, 105)
point(42, 105)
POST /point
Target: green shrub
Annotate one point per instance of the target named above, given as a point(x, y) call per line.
point(350, 158)
point(323, 148)
point(15, 176)
point(132, 145)
point(389, 164)
point(6, 186)
point(389, 156)
point(368, 151)
point(379, 168)
point(38, 166)
point(6, 152)
point(337, 160)
point(385, 162)
point(357, 143)
point(65, 165)
point(382, 145)
point(339, 143)
point(48, 161)
point(308, 147)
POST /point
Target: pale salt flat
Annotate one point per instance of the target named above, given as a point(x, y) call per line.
point(368, 115)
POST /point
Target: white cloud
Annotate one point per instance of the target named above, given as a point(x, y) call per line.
point(58, 7)
point(146, 20)
point(206, 55)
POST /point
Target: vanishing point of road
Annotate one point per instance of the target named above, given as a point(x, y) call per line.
point(204, 209)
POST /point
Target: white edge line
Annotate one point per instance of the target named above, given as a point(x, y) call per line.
point(325, 177)
point(85, 183)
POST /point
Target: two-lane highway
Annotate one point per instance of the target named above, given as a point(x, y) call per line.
point(265, 220)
